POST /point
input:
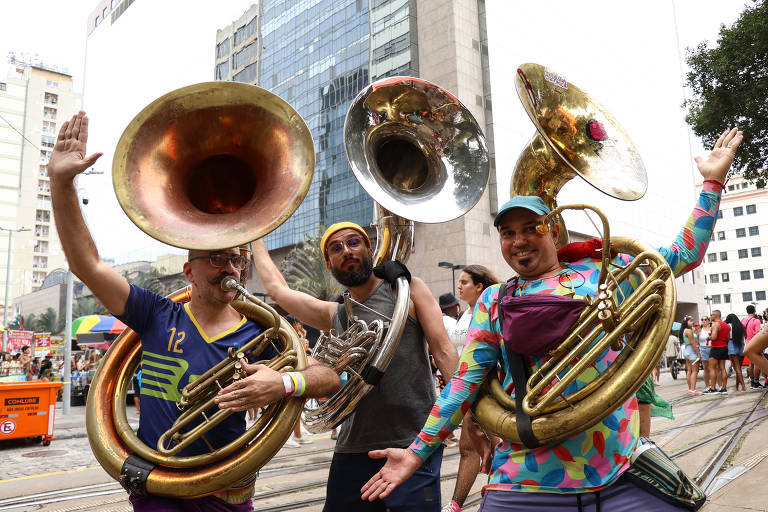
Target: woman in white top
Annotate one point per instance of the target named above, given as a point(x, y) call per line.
point(472, 281)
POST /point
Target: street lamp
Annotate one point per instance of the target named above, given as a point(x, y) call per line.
point(709, 306)
point(7, 283)
point(454, 268)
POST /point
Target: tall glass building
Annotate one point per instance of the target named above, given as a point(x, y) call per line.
point(318, 55)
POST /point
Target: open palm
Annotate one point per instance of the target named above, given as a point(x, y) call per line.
point(68, 158)
point(716, 166)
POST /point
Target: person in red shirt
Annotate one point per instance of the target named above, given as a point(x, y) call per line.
point(752, 325)
point(719, 353)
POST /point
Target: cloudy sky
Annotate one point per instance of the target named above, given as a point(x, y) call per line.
point(625, 54)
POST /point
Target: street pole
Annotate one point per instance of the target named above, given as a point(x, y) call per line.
point(67, 377)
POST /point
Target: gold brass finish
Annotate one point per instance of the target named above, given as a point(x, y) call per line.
point(575, 136)
point(220, 158)
point(209, 166)
point(112, 439)
point(578, 137)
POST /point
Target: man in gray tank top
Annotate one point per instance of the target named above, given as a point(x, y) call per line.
point(392, 413)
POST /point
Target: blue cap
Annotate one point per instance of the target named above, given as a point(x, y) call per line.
point(532, 203)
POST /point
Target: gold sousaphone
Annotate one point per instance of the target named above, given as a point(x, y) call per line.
point(209, 166)
point(577, 136)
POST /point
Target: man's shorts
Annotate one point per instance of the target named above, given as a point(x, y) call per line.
point(350, 471)
point(621, 495)
point(704, 352)
point(719, 353)
point(735, 350)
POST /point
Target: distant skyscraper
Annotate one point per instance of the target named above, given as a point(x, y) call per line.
point(319, 55)
point(34, 100)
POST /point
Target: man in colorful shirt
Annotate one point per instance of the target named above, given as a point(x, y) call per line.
point(585, 469)
point(179, 341)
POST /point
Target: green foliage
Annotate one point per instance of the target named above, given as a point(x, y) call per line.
point(88, 305)
point(730, 86)
point(304, 270)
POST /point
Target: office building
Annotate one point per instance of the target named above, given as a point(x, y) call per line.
point(319, 55)
point(737, 258)
point(34, 100)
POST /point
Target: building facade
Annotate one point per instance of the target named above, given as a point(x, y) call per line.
point(319, 55)
point(34, 100)
point(737, 258)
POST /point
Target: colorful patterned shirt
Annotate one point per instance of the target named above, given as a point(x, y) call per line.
point(589, 460)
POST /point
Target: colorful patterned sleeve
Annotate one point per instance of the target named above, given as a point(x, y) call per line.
point(477, 358)
point(690, 246)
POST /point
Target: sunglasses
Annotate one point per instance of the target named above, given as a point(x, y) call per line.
point(220, 259)
point(705, 319)
point(337, 247)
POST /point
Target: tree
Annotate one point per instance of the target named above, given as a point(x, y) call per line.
point(730, 86)
point(48, 322)
point(304, 270)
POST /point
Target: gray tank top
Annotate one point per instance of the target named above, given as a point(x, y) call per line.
point(393, 412)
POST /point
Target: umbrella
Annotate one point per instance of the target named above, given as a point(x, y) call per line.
point(97, 323)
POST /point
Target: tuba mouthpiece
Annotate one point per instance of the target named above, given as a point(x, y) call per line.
point(229, 283)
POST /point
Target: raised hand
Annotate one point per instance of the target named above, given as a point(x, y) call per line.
point(719, 161)
point(68, 158)
point(262, 387)
point(400, 465)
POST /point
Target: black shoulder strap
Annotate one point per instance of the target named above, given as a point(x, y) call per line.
point(519, 377)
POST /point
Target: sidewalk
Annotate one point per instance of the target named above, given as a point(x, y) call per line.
point(73, 424)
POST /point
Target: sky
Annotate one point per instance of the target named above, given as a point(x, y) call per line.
point(627, 55)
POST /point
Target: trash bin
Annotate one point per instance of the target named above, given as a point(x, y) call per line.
point(27, 409)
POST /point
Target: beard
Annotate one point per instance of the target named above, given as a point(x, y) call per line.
point(355, 277)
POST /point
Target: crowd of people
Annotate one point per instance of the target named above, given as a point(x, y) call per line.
point(28, 365)
point(719, 347)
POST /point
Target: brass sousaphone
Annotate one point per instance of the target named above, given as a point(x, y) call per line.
point(577, 136)
point(209, 166)
point(422, 157)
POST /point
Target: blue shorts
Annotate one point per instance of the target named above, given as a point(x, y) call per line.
point(735, 350)
point(690, 353)
point(704, 352)
point(350, 471)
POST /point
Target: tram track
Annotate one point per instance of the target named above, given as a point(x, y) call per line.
point(310, 492)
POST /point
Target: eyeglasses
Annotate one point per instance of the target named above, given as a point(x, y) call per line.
point(336, 247)
point(705, 319)
point(220, 259)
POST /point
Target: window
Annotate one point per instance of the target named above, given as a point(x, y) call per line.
point(751, 208)
point(744, 185)
point(222, 70)
point(719, 214)
point(711, 257)
point(725, 276)
point(757, 273)
point(754, 230)
point(715, 299)
point(760, 295)
point(743, 253)
point(721, 235)
point(746, 297)
point(222, 48)
point(724, 256)
point(738, 211)
point(714, 278)
point(744, 275)
point(731, 187)
point(727, 298)
point(741, 233)
point(712, 236)
point(3, 86)
point(756, 252)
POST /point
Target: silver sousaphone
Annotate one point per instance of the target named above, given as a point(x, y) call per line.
point(422, 157)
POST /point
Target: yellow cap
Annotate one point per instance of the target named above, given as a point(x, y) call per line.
point(338, 227)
